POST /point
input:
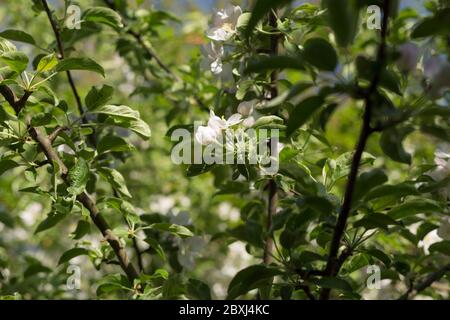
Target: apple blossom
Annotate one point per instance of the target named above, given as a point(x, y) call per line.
point(214, 52)
point(206, 135)
point(224, 23)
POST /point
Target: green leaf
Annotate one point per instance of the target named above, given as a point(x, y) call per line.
point(97, 98)
point(319, 204)
point(320, 53)
point(104, 16)
point(6, 218)
point(7, 164)
point(269, 122)
point(343, 17)
point(375, 220)
point(156, 246)
point(82, 229)
point(391, 144)
point(6, 46)
point(72, 253)
point(398, 191)
point(431, 26)
point(260, 10)
point(197, 289)
point(112, 143)
point(116, 180)
point(47, 63)
point(175, 229)
point(251, 278)
point(274, 62)
point(198, 169)
point(368, 180)
point(52, 219)
point(17, 61)
point(250, 232)
point(80, 64)
point(380, 255)
point(302, 112)
point(17, 35)
point(140, 127)
point(441, 247)
point(78, 177)
point(118, 112)
point(413, 207)
point(332, 283)
point(424, 229)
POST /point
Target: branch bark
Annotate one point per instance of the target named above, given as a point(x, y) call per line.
point(334, 263)
point(52, 156)
point(428, 281)
point(272, 186)
point(61, 55)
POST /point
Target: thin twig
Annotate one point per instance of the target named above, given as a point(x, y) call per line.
point(428, 281)
point(61, 55)
point(272, 186)
point(153, 55)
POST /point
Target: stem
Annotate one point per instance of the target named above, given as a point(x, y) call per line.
point(61, 56)
point(334, 263)
point(272, 187)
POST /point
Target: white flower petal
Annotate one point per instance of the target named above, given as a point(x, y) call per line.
point(217, 66)
point(234, 119)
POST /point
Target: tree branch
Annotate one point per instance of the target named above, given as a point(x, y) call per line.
point(428, 281)
point(272, 186)
point(53, 157)
point(333, 262)
point(61, 55)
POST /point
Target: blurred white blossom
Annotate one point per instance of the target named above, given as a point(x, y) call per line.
point(214, 53)
point(224, 23)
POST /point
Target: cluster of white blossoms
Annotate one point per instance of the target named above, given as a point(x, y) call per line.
point(436, 69)
point(223, 28)
point(211, 133)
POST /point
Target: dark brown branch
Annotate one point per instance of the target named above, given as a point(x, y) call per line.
point(53, 157)
point(272, 187)
point(333, 263)
point(428, 281)
point(144, 46)
point(9, 96)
